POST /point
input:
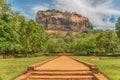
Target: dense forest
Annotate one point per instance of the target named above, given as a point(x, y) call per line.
point(20, 37)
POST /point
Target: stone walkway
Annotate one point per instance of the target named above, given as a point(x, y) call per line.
point(63, 68)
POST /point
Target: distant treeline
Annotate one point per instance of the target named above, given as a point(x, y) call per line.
point(58, 11)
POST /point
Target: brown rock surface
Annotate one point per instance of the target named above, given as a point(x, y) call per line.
point(60, 21)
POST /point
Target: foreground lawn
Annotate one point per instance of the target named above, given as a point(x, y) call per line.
point(110, 66)
point(11, 68)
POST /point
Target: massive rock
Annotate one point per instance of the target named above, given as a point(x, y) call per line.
point(62, 22)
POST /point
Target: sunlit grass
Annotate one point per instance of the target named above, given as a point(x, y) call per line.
point(110, 66)
point(11, 68)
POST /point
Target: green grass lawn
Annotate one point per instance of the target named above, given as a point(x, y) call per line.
point(11, 68)
point(110, 66)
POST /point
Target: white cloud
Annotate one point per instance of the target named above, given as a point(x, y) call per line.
point(23, 12)
point(39, 7)
point(95, 10)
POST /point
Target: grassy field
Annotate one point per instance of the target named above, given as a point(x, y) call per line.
point(110, 66)
point(11, 68)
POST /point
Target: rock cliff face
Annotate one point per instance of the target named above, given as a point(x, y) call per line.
point(59, 22)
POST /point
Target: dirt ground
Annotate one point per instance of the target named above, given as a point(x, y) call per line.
point(63, 63)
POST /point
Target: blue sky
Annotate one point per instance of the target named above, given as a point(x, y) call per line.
point(102, 13)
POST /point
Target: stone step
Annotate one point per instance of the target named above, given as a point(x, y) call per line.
point(62, 73)
point(100, 76)
point(60, 78)
point(63, 68)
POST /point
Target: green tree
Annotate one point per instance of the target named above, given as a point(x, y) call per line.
point(18, 34)
point(107, 41)
point(9, 38)
point(56, 46)
point(118, 27)
point(86, 45)
point(4, 7)
point(32, 37)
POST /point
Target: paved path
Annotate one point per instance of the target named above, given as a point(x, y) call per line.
point(63, 63)
point(63, 68)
